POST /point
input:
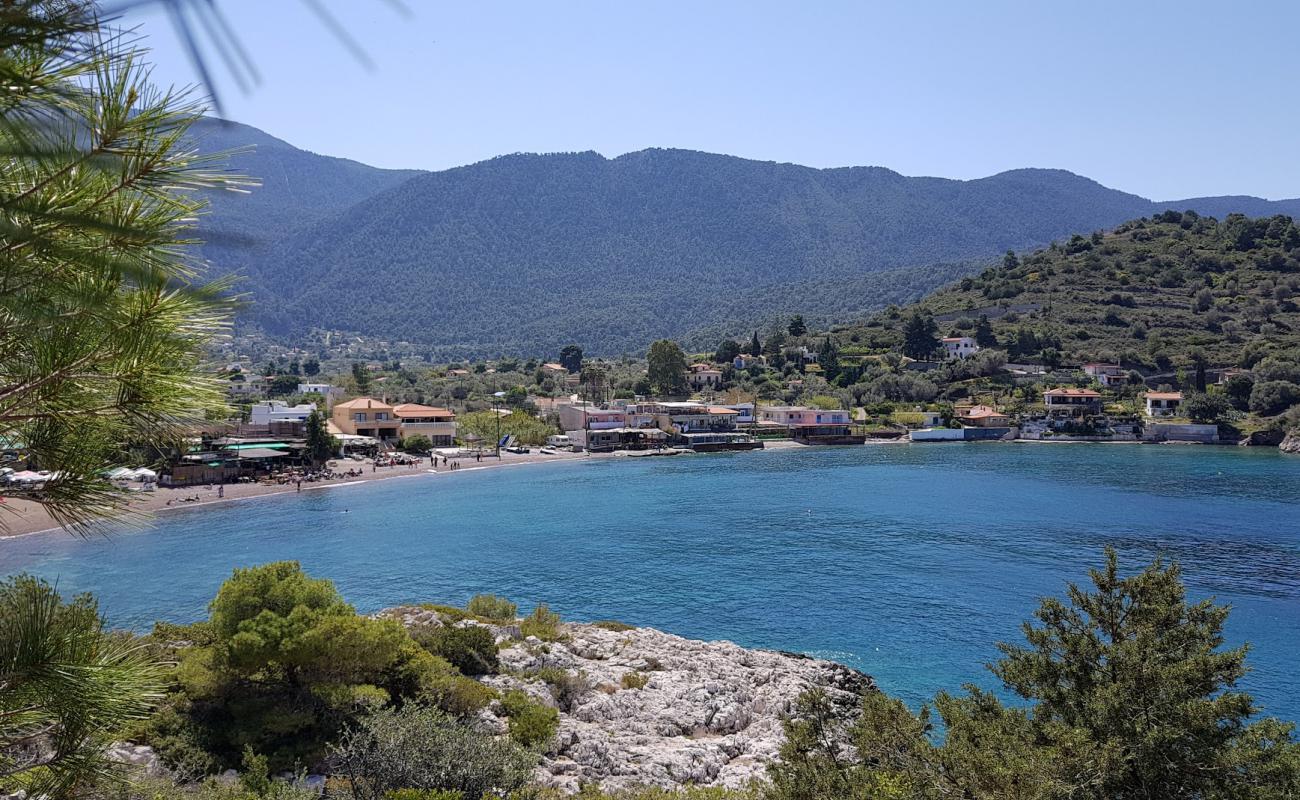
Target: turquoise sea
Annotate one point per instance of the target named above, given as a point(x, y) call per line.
point(907, 561)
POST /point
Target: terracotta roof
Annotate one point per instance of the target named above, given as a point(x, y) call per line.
point(1062, 392)
point(954, 338)
point(1164, 395)
point(417, 410)
point(551, 365)
point(721, 410)
point(362, 402)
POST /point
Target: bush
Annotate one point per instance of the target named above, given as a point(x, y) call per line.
point(422, 794)
point(457, 695)
point(542, 623)
point(472, 649)
point(532, 724)
point(418, 747)
point(613, 625)
point(566, 687)
point(635, 680)
point(419, 443)
point(1205, 408)
point(491, 607)
point(1273, 397)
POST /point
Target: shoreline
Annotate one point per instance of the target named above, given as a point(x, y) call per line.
point(25, 518)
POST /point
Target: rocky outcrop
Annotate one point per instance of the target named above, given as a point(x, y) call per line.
point(1291, 444)
point(1270, 437)
point(692, 712)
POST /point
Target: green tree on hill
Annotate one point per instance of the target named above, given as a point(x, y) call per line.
point(755, 346)
point(666, 367)
point(797, 327)
point(920, 336)
point(984, 335)
point(727, 351)
point(361, 377)
point(571, 358)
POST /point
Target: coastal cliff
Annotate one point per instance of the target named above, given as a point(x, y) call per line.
point(642, 707)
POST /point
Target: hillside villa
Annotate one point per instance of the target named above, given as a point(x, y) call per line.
point(959, 347)
point(1071, 402)
point(1108, 375)
point(704, 376)
point(1163, 404)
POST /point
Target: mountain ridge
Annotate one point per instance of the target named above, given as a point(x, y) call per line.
point(526, 251)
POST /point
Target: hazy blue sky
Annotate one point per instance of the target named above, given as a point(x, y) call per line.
point(1164, 99)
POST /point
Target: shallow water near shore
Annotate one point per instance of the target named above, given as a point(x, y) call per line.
point(908, 562)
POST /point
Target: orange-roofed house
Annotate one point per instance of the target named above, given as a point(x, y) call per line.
point(439, 424)
point(366, 416)
point(704, 376)
point(984, 417)
point(1163, 404)
point(1068, 401)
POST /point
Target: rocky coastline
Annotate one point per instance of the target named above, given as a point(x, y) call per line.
point(707, 714)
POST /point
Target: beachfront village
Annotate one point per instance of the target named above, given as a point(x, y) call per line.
point(743, 396)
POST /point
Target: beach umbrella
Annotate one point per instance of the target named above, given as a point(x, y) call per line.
point(144, 474)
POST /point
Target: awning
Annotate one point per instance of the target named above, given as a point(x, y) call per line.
point(262, 452)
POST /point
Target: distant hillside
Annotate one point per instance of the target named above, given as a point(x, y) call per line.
point(298, 189)
point(526, 253)
point(1146, 294)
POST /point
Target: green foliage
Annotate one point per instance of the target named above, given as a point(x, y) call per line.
point(65, 681)
point(525, 427)
point(571, 357)
point(492, 608)
point(542, 623)
point(920, 336)
point(470, 648)
point(666, 368)
point(321, 446)
point(1185, 283)
point(287, 662)
point(566, 687)
point(104, 319)
point(417, 747)
point(635, 680)
point(1204, 408)
point(1273, 397)
point(1128, 694)
point(422, 794)
point(419, 443)
point(531, 723)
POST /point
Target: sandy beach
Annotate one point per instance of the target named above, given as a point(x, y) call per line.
point(23, 517)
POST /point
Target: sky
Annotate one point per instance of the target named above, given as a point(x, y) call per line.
point(1168, 100)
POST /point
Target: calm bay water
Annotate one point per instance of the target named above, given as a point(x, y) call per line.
point(908, 562)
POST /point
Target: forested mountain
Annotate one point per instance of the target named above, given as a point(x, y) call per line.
point(298, 188)
point(1149, 294)
point(525, 253)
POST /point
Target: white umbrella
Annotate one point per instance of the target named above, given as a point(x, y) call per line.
point(144, 474)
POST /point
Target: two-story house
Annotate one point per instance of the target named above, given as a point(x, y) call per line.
point(959, 347)
point(1071, 402)
point(366, 416)
point(439, 424)
point(1107, 375)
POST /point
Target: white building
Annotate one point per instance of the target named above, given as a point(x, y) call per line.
point(1163, 404)
point(330, 393)
point(279, 411)
point(959, 347)
point(704, 376)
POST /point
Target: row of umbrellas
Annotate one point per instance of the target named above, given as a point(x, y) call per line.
point(27, 476)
